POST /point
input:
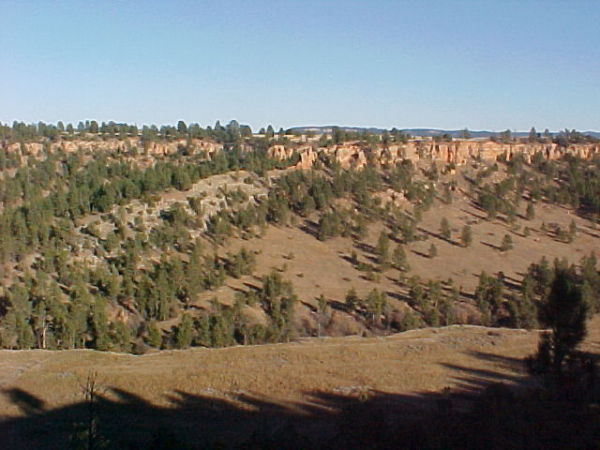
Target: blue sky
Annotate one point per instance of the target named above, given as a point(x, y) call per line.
point(443, 64)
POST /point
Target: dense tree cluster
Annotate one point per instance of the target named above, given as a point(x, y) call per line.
point(52, 301)
point(19, 131)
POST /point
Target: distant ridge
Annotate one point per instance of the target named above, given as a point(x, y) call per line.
point(423, 132)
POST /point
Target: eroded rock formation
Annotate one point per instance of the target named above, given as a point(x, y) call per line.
point(125, 146)
point(354, 155)
point(348, 155)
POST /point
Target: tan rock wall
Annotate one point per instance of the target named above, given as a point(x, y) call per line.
point(352, 155)
point(36, 149)
point(349, 155)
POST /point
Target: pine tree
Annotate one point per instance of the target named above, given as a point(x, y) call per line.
point(489, 296)
point(184, 336)
point(154, 338)
point(533, 135)
point(565, 313)
point(322, 314)
point(432, 251)
point(466, 236)
point(25, 337)
point(352, 299)
point(530, 212)
point(572, 230)
point(182, 127)
point(382, 250)
point(445, 229)
point(507, 243)
point(399, 258)
point(122, 335)
point(99, 322)
point(375, 303)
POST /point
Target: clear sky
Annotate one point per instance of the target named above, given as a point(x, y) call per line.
point(444, 64)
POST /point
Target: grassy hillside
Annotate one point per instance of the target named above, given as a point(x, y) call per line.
point(205, 396)
point(321, 250)
point(116, 250)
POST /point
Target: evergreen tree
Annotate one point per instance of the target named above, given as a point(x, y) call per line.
point(507, 243)
point(270, 133)
point(376, 302)
point(182, 127)
point(153, 338)
point(530, 212)
point(432, 253)
point(445, 229)
point(322, 314)
point(382, 250)
point(489, 295)
point(564, 312)
point(184, 336)
point(99, 325)
point(572, 230)
point(399, 258)
point(466, 236)
point(352, 299)
point(533, 135)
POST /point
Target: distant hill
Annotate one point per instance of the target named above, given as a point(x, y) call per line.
point(595, 134)
point(427, 132)
point(423, 132)
point(329, 128)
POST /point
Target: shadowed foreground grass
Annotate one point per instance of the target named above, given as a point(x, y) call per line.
point(486, 410)
point(454, 387)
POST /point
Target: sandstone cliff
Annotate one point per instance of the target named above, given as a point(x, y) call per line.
point(348, 155)
point(124, 146)
point(354, 155)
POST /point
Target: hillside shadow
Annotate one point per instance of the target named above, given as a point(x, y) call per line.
point(479, 410)
point(589, 232)
point(397, 296)
point(27, 403)
point(511, 285)
point(309, 227)
point(471, 380)
point(492, 246)
point(349, 260)
point(251, 287)
point(364, 247)
point(419, 253)
point(439, 236)
point(339, 306)
point(471, 213)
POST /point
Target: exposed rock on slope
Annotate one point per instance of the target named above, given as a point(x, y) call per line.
point(348, 155)
point(354, 155)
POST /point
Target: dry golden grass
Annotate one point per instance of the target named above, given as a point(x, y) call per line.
point(414, 362)
point(323, 267)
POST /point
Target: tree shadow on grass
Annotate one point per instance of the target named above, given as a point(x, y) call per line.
point(471, 213)
point(28, 404)
point(481, 410)
point(364, 247)
point(492, 246)
point(311, 228)
point(440, 237)
point(421, 254)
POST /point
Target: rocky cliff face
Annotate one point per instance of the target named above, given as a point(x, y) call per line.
point(307, 155)
point(125, 146)
point(353, 155)
point(348, 155)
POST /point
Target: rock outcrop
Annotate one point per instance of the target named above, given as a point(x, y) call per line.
point(350, 155)
point(353, 155)
point(124, 146)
